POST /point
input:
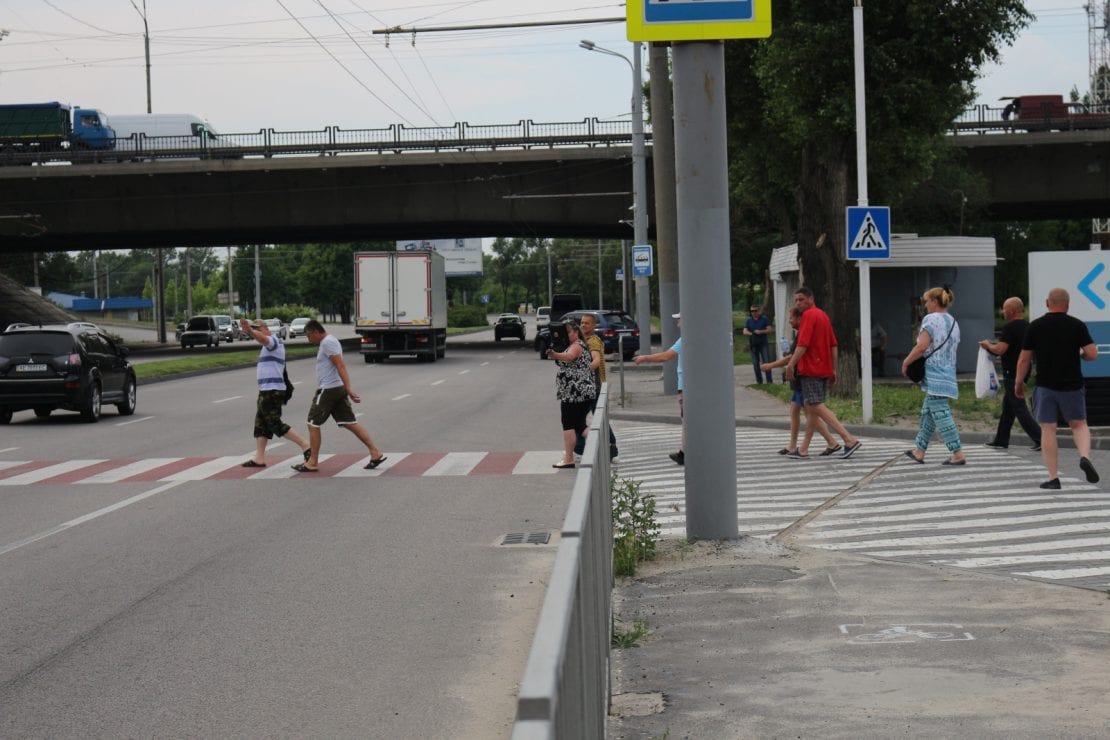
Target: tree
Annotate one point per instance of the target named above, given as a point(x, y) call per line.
point(792, 120)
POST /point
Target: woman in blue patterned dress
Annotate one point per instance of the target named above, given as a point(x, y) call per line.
point(937, 342)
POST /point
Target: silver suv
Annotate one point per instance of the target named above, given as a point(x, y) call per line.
point(200, 330)
point(227, 328)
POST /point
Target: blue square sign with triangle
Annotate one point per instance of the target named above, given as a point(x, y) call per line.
point(868, 233)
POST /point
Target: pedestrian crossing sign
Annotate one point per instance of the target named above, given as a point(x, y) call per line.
point(868, 233)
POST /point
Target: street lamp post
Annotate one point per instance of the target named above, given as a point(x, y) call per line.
point(639, 183)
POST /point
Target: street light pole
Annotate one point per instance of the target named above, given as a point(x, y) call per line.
point(639, 184)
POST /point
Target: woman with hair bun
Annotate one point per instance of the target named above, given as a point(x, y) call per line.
point(937, 342)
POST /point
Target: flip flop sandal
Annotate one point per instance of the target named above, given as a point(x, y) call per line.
point(950, 461)
point(374, 463)
point(830, 450)
point(784, 451)
point(253, 464)
point(563, 466)
point(910, 455)
point(302, 468)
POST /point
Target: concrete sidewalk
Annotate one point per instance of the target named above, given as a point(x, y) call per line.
point(761, 639)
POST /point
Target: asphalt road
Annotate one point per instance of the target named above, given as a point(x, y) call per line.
point(187, 601)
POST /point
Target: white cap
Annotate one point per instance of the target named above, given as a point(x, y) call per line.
point(676, 315)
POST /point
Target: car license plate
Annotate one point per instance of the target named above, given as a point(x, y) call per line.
point(36, 368)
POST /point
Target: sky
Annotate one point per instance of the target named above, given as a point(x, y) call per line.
point(245, 65)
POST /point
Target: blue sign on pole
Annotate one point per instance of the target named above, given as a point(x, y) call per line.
point(642, 261)
point(868, 235)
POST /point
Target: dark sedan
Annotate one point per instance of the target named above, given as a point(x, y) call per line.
point(58, 367)
point(508, 326)
point(617, 330)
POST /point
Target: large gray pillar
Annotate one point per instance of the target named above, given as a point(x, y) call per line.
point(666, 223)
point(639, 195)
point(705, 285)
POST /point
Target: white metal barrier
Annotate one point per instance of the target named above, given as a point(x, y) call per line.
point(565, 689)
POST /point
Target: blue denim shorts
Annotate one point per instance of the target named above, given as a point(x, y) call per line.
point(1050, 406)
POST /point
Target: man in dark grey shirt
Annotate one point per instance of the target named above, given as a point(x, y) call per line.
point(1008, 347)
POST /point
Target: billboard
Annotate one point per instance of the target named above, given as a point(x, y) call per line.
point(461, 256)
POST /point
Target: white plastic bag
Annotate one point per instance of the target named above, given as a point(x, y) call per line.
point(986, 377)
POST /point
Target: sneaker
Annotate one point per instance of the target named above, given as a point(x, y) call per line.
point(996, 445)
point(1036, 447)
point(1086, 467)
point(1053, 484)
point(796, 455)
point(850, 450)
point(679, 457)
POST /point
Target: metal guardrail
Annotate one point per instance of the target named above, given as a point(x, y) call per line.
point(987, 119)
point(565, 689)
point(335, 141)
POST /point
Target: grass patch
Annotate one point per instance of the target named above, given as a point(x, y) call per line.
point(214, 361)
point(628, 638)
point(894, 402)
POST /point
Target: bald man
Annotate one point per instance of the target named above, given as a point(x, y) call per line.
point(1008, 347)
point(1058, 342)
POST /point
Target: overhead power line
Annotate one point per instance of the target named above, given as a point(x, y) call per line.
point(490, 26)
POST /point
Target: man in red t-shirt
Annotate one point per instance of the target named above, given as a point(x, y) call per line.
point(814, 362)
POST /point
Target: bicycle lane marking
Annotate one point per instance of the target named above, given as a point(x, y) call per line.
point(5, 549)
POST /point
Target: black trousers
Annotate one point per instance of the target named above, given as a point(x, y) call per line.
point(1015, 408)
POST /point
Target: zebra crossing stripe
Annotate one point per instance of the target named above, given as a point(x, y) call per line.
point(40, 474)
point(130, 469)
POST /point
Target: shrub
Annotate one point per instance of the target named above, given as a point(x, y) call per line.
point(635, 529)
point(466, 316)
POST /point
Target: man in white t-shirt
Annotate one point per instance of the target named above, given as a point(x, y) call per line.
point(331, 399)
point(271, 394)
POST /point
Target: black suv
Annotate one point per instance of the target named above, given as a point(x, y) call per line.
point(611, 325)
point(73, 368)
point(200, 330)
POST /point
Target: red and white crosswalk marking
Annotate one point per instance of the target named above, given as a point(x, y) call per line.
point(229, 467)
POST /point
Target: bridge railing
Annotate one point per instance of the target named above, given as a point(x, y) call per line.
point(333, 140)
point(565, 689)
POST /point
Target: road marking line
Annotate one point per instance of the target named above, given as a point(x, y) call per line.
point(48, 472)
point(86, 518)
point(461, 372)
point(536, 463)
point(9, 449)
point(125, 423)
point(11, 463)
point(456, 463)
point(438, 382)
point(483, 364)
point(202, 471)
point(135, 468)
point(224, 400)
point(401, 397)
point(284, 469)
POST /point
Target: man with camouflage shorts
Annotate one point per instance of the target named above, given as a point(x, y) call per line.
point(271, 394)
point(331, 399)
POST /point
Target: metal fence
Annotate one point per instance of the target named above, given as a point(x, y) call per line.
point(335, 141)
point(565, 689)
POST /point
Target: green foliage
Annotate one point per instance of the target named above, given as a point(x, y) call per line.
point(289, 312)
point(628, 638)
point(894, 402)
point(635, 528)
point(466, 316)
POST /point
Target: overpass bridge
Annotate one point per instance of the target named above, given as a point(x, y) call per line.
point(550, 180)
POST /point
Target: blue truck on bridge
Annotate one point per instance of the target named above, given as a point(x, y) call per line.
point(53, 126)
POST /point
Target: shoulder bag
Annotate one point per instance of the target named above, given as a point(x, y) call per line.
point(915, 371)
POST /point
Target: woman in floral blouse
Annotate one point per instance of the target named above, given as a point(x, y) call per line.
point(575, 389)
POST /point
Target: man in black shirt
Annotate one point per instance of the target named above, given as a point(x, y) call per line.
point(1009, 347)
point(1058, 341)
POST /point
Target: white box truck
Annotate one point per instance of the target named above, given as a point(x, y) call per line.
point(401, 305)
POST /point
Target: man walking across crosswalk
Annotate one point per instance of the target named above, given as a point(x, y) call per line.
point(1057, 341)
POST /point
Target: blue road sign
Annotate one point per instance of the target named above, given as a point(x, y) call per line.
point(642, 261)
point(868, 236)
point(697, 20)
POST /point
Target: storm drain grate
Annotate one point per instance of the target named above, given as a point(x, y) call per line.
point(527, 538)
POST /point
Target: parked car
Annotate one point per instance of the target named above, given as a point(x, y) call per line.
point(611, 326)
point(62, 367)
point(228, 329)
point(277, 328)
point(200, 330)
point(543, 316)
point(296, 327)
point(508, 325)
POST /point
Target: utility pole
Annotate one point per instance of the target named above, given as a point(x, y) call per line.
point(257, 286)
point(666, 220)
